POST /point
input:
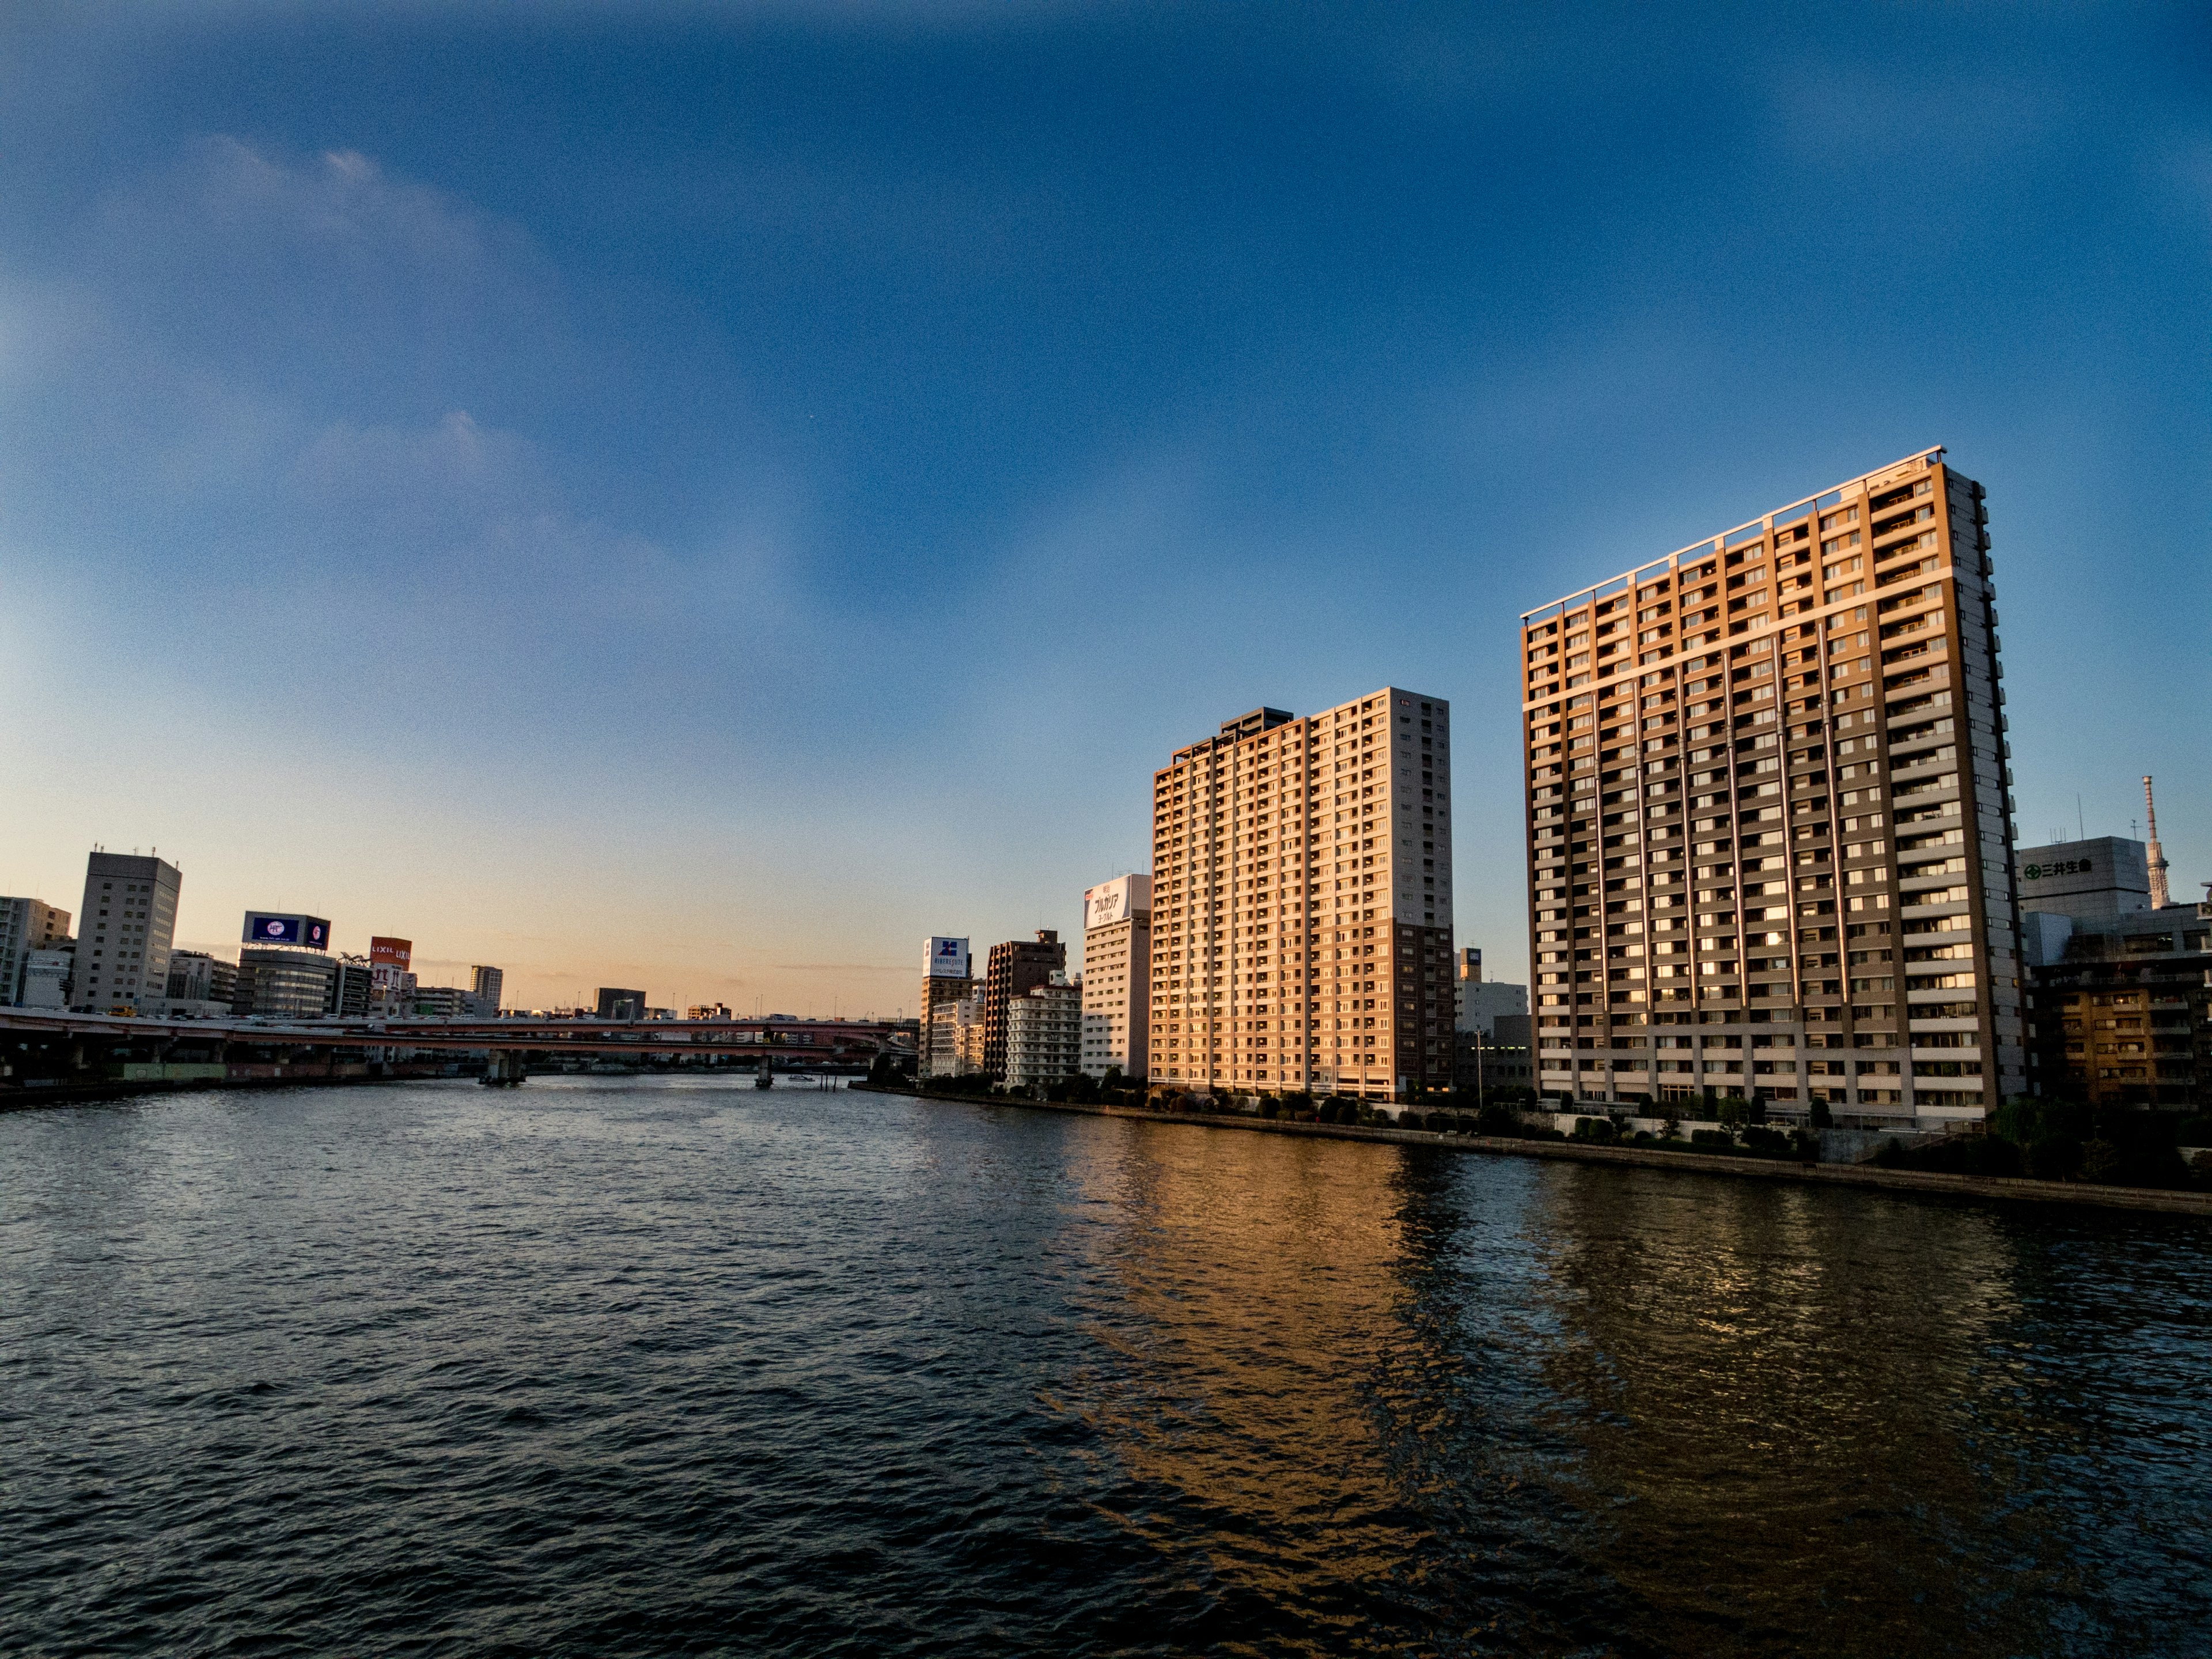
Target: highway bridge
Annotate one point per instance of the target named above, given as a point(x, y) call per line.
point(42, 1048)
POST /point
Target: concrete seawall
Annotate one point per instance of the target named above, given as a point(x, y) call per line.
point(1741, 1167)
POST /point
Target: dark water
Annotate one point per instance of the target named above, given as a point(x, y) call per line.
point(628, 1367)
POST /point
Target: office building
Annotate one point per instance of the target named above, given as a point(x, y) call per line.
point(946, 981)
point(1013, 969)
point(487, 986)
point(1477, 1003)
point(1302, 904)
point(26, 925)
point(451, 1002)
point(1770, 841)
point(1117, 976)
point(125, 930)
point(713, 1011)
point(1044, 1034)
point(1501, 1056)
point(195, 976)
point(274, 983)
point(353, 987)
point(2119, 989)
point(615, 1003)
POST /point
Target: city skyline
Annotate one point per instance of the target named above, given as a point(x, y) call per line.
point(680, 548)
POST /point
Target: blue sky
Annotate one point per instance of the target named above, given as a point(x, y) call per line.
point(702, 497)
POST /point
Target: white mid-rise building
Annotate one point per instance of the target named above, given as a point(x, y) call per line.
point(1044, 1033)
point(1117, 989)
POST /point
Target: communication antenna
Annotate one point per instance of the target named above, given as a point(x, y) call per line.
point(2161, 896)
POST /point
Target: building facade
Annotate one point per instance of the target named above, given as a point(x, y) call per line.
point(127, 927)
point(1770, 841)
point(1302, 904)
point(614, 1002)
point(26, 925)
point(1117, 976)
point(1014, 970)
point(1044, 1034)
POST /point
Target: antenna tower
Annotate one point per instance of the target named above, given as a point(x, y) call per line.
point(2160, 896)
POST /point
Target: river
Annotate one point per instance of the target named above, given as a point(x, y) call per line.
point(606, 1365)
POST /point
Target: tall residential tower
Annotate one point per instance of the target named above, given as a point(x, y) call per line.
point(1302, 903)
point(1770, 842)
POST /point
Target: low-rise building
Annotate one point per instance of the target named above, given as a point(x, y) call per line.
point(1044, 1034)
point(1499, 1058)
point(195, 976)
point(1477, 1003)
point(47, 976)
point(952, 1042)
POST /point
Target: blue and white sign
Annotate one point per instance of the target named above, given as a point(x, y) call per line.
point(308, 932)
point(948, 958)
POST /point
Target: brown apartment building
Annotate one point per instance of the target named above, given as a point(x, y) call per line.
point(1014, 970)
point(1302, 904)
point(1770, 840)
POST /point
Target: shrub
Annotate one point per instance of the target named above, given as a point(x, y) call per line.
point(1593, 1128)
point(1718, 1139)
point(1769, 1143)
point(1270, 1110)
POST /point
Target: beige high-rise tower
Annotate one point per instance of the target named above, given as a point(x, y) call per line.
point(1770, 841)
point(1302, 904)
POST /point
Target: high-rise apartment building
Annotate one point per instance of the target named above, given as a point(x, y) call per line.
point(1770, 842)
point(1117, 976)
point(127, 928)
point(1302, 903)
point(26, 925)
point(1013, 969)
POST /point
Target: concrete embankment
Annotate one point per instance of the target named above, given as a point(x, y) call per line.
point(1742, 1166)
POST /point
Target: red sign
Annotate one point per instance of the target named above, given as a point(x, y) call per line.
point(391, 953)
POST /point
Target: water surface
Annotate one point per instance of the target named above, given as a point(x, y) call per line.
point(649, 1366)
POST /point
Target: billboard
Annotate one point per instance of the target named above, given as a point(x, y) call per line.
point(394, 953)
point(948, 958)
point(264, 928)
point(1117, 901)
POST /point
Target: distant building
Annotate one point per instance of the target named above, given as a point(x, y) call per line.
point(1477, 1003)
point(276, 983)
point(26, 925)
point(716, 1011)
point(352, 988)
point(1044, 1034)
point(617, 1004)
point(195, 976)
point(46, 977)
point(127, 928)
point(486, 990)
point(2093, 880)
point(1015, 968)
point(1117, 976)
point(441, 1002)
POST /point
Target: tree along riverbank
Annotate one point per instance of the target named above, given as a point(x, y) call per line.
point(1654, 1157)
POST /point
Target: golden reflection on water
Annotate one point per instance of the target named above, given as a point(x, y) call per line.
point(1436, 1403)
